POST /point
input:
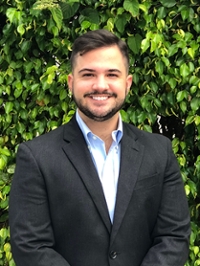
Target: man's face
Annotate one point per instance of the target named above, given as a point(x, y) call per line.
point(99, 83)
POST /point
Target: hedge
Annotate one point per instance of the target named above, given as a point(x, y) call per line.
point(163, 37)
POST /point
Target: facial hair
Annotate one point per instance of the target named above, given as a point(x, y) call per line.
point(92, 114)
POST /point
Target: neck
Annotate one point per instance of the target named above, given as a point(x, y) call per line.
point(102, 129)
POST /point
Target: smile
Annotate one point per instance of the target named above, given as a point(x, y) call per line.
point(100, 98)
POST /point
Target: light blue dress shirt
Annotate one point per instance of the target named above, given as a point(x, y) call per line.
point(107, 165)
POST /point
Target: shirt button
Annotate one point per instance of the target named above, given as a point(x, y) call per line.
point(89, 148)
point(113, 255)
point(94, 137)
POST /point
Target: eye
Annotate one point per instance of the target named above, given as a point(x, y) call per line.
point(112, 75)
point(88, 75)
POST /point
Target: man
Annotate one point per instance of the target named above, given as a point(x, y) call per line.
point(96, 191)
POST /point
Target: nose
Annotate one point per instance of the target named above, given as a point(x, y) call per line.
point(100, 83)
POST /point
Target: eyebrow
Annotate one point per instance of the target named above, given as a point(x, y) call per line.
point(92, 70)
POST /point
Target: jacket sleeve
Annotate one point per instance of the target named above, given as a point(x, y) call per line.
point(32, 237)
point(171, 233)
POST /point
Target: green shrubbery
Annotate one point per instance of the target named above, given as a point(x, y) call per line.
point(36, 39)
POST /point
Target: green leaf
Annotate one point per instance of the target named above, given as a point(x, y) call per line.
point(51, 69)
point(181, 95)
point(132, 6)
point(159, 67)
point(10, 13)
point(69, 10)
point(110, 24)
point(120, 23)
point(13, 15)
point(133, 117)
point(8, 107)
point(5, 190)
point(57, 16)
point(170, 97)
point(17, 93)
point(144, 8)
point(11, 169)
point(191, 52)
point(24, 114)
point(55, 30)
point(184, 70)
point(25, 46)
point(134, 43)
point(168, 3)
point(85, 24)
point(156, 41)
point(193, 89)
point(145, 44)
point(2, 163)
point(63, 94)
point(165, 60)
point(196, 251)
point(197, 120)
point(184, 14)
point(141, 117)
point(187, 190)
point(172, 50)
point(50, 78)
point(157, 102)
point(147, 128)
point(172, 82)
point(195, 104)
point(5, 151)
point(124, 116)
point(194, 80)
point(183, 106)
point(91, 15)
point(120, 11)
point(161, 12)
point(21, 29)
point(189, 120)
point(153, 86)
point(191, 67)
point(4, 218)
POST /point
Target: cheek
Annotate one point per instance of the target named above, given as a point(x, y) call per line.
point(80, 87)
point(120, 89)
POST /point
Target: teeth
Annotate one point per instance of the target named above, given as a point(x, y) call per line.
point(98, 98)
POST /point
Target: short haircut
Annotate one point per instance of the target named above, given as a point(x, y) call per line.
point(97, 39)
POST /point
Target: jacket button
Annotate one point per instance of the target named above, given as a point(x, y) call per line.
point(113, 255)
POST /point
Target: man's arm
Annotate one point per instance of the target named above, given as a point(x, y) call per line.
point(171, 233)
point(32, 237)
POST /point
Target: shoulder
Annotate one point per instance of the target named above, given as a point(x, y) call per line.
point(49, 137)
point(153, 142)
point(56, 136)
point(142, 135)
point(156, 148)
point(44, 144)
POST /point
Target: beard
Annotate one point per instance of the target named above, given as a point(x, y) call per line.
point(94, 115)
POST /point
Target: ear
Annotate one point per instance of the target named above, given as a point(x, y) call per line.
point(129, 79)
point(70, 81)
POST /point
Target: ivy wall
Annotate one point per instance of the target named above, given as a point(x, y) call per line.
point(36, 40)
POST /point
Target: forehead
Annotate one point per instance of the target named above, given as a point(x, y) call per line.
point(105, 56)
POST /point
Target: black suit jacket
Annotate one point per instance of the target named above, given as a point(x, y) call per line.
point(59, 216)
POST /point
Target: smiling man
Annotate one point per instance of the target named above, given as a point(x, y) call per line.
point(97, 191)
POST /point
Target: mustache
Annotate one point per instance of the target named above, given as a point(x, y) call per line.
point(96, 92)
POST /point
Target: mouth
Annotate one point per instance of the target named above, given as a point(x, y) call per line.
point(99, 98)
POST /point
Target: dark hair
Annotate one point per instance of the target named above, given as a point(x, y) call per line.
point(97, 39)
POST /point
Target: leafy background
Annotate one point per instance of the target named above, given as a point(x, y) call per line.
point(36, 39)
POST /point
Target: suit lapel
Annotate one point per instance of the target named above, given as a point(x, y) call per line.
point(77, 152)
point(131, 157)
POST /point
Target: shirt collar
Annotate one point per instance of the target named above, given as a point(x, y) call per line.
point(116, 134)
